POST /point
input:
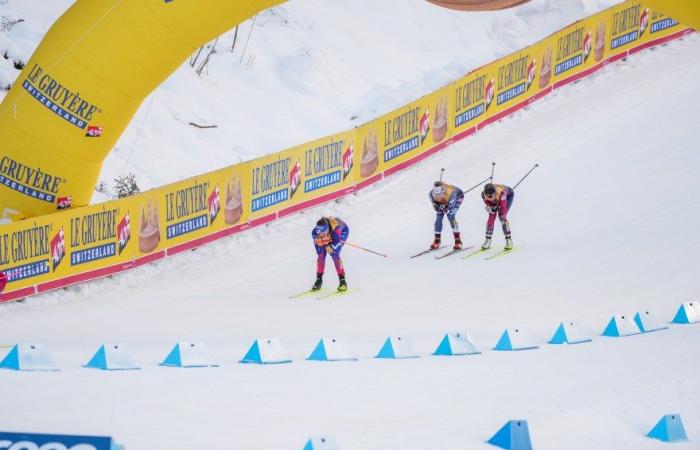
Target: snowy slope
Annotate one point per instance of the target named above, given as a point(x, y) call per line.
point(606, 223)
point(310, 68)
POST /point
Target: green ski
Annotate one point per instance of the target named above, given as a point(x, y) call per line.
point(336, 294)
point(504, 252)
point(306, 293)
point(476, 252)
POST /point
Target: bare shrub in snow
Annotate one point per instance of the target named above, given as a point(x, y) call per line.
point(7, 22)
point(102, 187)
point(125, 186)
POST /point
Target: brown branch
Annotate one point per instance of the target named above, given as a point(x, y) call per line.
point(202, 126)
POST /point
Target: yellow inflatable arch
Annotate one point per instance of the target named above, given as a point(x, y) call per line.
point(84, 83)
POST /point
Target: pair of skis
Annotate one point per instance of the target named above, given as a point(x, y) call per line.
point(321, 294)
point(451, 252)
point(498, 254)
point(474, 253)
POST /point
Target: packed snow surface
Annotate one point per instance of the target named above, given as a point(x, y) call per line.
point(606, 225)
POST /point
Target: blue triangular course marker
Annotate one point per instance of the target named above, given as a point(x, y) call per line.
point(253, 355)
point(511, 339)
point(396, 347)
point(320, 443)
point(387, 350)
point(28, 357)
point(621, 325)
point(567, 333)
point(189, 355)
point(11, 360)
point(331, 349)
point(504, 342)
point(647, 323)
point(266, 351)
point(681, 316)
point(689, 312)
point(454, 344)
point(173, 358)
point(444, 348)
point(319, 353)
point(559, 336)
point(514, 435)
point(98, 360)
point(111, 357)
point(669, 429)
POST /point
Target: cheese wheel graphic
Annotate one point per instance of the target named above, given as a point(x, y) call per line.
point(370, 156)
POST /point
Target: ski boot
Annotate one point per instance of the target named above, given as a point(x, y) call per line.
point(458, 241)
point(318, 283)
point(487, 243)
point(343, 286)
point(436, 243)
point(509, 244)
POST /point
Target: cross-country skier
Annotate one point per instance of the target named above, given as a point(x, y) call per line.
point(446, 199)
point(329, 235)
point(498, 199)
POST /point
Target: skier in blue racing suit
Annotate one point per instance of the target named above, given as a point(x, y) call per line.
point(446, 200)
point(329, 235)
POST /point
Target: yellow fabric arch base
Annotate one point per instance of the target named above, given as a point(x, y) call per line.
point(83, 85)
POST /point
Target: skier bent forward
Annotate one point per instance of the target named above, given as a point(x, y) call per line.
point(329, 235)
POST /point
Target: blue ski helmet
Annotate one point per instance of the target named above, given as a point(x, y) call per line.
point(322, 226)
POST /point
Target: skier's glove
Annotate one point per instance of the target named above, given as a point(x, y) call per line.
point(329, 249)
point(491, 209)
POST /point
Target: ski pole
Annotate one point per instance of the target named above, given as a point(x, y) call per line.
point(493, 167)
point(528, 173)
point(365, 249)
point(476, 186)
point(441, 172)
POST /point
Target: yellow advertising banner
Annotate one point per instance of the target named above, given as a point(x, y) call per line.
point(81, 240)
point(660, 24)
point(327, 165)
point(398, 136)
point(94, 236)
point(200, 206)
point(301, 175)
point(625, 31)
point(31, 249)
point(273, 184)
point(368, 156)
point(574, 49)
point(441, 127)
point(518, 77)
point(685, 11)
point(472, 96)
